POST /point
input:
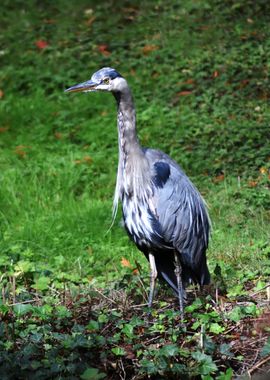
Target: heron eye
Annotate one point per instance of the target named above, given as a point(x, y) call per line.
point(106, 80)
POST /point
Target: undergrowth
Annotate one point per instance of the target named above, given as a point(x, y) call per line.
point(73, 290)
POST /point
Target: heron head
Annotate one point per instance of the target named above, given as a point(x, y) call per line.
point(105, 79)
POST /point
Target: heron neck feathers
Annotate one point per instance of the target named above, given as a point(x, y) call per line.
point(133, 167)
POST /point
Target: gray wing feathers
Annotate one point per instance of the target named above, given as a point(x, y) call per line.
point(182, 214)
point(183, 218)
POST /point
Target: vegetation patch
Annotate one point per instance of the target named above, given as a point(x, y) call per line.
point(73, 288)
point(72, 331)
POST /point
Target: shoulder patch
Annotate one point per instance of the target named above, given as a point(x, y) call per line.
point(162, 174)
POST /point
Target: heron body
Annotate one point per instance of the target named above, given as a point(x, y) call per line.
point(163, 212)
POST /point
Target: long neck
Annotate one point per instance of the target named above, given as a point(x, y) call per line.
point(132, 164)
point(126, 123)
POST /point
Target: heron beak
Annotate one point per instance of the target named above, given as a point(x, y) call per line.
point(83, 87)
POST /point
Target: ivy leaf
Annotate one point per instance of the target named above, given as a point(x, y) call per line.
point(224, 349)
point(227, 375)
point(21, 309)
point(170, 350)
point(92, 325)
point(118, 351)
point(215, 328)
point(128, 330)
point(197, 304)
point(24, 266)
point(206, 364)
point(266, 349)
point(92, 374)
point(42, 283)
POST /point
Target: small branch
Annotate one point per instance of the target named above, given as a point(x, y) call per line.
point(105, 297)
point(258, 365)
point(260, 291)
point(14, 289)
point(23, 302)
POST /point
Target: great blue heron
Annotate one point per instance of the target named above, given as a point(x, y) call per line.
point(163, 212)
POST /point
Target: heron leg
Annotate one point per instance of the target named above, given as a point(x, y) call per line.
point(153, 276)
point(180, 288)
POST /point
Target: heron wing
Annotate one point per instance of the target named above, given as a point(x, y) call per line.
point(181, 214)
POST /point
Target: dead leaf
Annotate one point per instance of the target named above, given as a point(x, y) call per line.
point(3, 129)
point(41, 44)
point(103, 49)
point(58, 135)
point(129, 351)
point(87, 159)
point(49, 21)
point(188, 81)
point(20, 150)
point(149, 48)
point(219, 178)
point(125, 263)
point(1, 94)
point(184, 93)
point(252, 183)
point(90, 21)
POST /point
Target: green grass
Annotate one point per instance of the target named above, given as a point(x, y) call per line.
point(199, 72)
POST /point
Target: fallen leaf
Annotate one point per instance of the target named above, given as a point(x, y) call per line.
point(41, 44)
point(90, 21)
point(58, 135)
point(20, 151)
point(252, 183)
point(188, 81)
point(149, 48)
point(125, 263)
point(219, 178)
point(204, 27)
point(129, 351)
point(87, 159)
point(103, 49)
point(184, 93)
point(49, 21)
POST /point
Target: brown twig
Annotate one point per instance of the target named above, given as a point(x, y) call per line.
point(260, 291)
point(258, 365)
point(105, 297)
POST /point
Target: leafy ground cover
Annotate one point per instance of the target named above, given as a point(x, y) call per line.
point(72, 301)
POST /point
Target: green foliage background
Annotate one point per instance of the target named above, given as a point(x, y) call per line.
point(199, 71)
